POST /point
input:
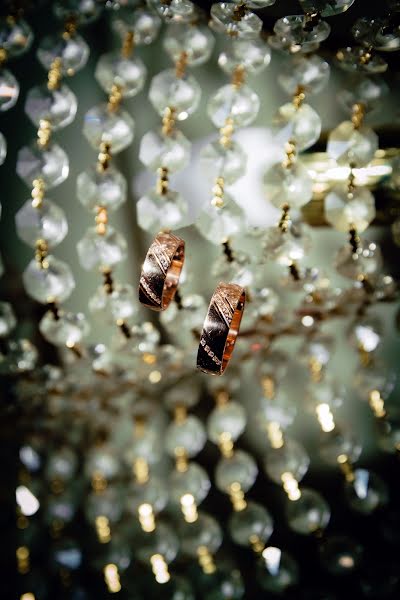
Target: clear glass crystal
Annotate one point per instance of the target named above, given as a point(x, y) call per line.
point(46, 222)
point(196, 41)
point(115, 128)
point(3, 150)
point(253, 56)
point(8, 320)
point(228, 418)
point(170, 151)
point(310, 73)
point(217, 224)
point(296, 28)
point(120, 304)
point(153, 492)
point(205, 531)
point(276, 571)
point(72, 50)
point(288, 185)
point(129, 74)
point(353, 60)
point(161, 211)
point(19, 356)
point(365, 333)
point(229, 102)
point(241, 468)
point(193, 481)
point(339, 444)
point(290, 458)
point(96, 188)
point(68, 329)
point(308, 514)
point(367, 492)
point(102, 459)
point(345, 211)
point(366, 261)
point(374, 377)
point(162, 541)
point(62, 464)
point(348, 145)
point(82, 12)
point(189, 435)
point(286, 247)
point(378, 33)
point(181, 94)
point(340, 555)
point(225, 20)
point(367, 90)
point(142, 22)
point(55, 283)
point(107, 503)
point(326, 8)
point(181, 11)
point(100, 251)
point(58, 107)
point(228, 162)
point(300, 125)
point(50, 164)
point(9, 90)
point(288, 45)
point(253, 521)
point(279, 409)
point(317, 348)
point(15, 36)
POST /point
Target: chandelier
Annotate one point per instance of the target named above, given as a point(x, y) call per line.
point(198, 313)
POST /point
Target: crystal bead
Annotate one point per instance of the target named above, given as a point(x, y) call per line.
point(366, 261)
point(299, 125)
point(308, 514)
point(161, 211)
point(290, 458)
point(288, 185)
point(225, 20)
point(217, 224)
point(181, 11)
point(61, 465)
point(184, 394)
point(278, 409)
point(257, 4)
point(52, 283)
point(193, 481)
point(359, 59)
point(228, 162)
point(337, 445)
point(196, 42)
point(72, 50)
point(153, 492)
point(128, 74)
point(365, 333)
point(179, 94)
point(344, 210)
point(170, 151)
point(18, 356)
point(189, 435)
point(190, 318)
point(377, 33)
point(241, 105)
point(389, 438)
point(287, 247)
point(15, 36)
point(299, 31)
point(120, 304)
point(340, 555)
point(106, 503)
point(143, 23)
point(9, 90)
point(276, 570)
point(317, 349)
point(102, 460)
point(288, 44)
point(374, 377)
point(326, 8)
point(253, 56)
point(204, 532)
point(82, 12)
point(67, 329)
point(275, 366)
point(47, 222)
point(254, 521)
point(107, 189)
point(365, 90)
point(366, 492)
point(327, 391)
point(114, 128)
point(240, 468)
point(146, 445)
point(309, 73)
point(3, 150)
point(228, 418)
point(348, 145)
point(50, 164)
point(8, 320)
point(58, 107)
point(161, 541)
point(101, 251)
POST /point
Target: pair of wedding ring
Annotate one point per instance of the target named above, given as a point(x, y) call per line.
point(158, 284)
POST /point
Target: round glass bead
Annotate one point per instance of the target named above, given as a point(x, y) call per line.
point(161, 211)
point(317, 349)
point(278, 409)
point(102, 460)
point(253, 56)
point(337, 444)
point(181, 11)
point(299, 31)
point(67, 329)
point(58, 106)
point(182, 394)
point(367, 260)
point(61, 465)
point(276, 570)
point(359, 60)
point(299, 125)
point(152, 492)
point(72, 50)
point(143, 23)
point(377, 33)
point(217, 224)
point(240, 468)
point(196, 42)
point(190, 317)
point(241, 105)
point(114, 128)
point(107, 503)
point(54, 283)
point(8, 320)
point(365, 333)
point(107, 189)
point(366, 492)
point(158, 150)
point(287, 247)
point(189, 435)
point(340, 555)
point(128, 74)
point(288, 185)
point(145, 444)
point(50, 164)
point(179, 94)
point(47, 222)
point(205, 531)
point(290, 458)
point(346, 210)
point(19, 355)
point(9, 90)
point(374, 377)
point(308, 514)
point(3, 150)
point(365, 90)
point(194, 481)
point(161, 541)
point(227, 418)
point(225, 20)
point(228, 162)
point(82, 12)
point(120, 304)
point(99, 251)
point(15, 36)
point(348, 145)
point(309, 73)
point(254, 521)
point(326, 8)
point(289, 45)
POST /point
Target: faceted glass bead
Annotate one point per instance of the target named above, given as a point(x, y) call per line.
point(377, 33)
point(340, 555)
point(3, 150)
point(68, 329)
point(374, 377)
point(326, 8)
point(348, 145)
point(82, 11)
point(288, 185)
point(253, 521)
point(98, 251)
point(58, 107)
point(107, 189)
point(114, 128)
point(120, 304)
point(366, 90)
point(278, 409)
point(46, 222)
point(345, 211)
point(161, 541)
point(19, 355)
point(227, 418)
point(143, 23)
point(180, 94)
point(226, 162)
point(15, 36)
point(317, 348)
point(196, 41)
point(288, 44)
point(55, 283)
point(301, 125)
point(295, 27)
point(276, 570)
point(107, 503)
point(50, 164)
point(290, 458)
point(366, 261)
point(182, 394)
point(170, 151)
point(9, 90)
point(286, 247)
point(102, 460)
point(194, 481)
point(365, 333)
point(275, 366)
point(144, 444)
point(241, 468)
point(336, 444)
point(367, 492)
point(205, 531)
point(253, 56)
point(161, 211)
point(308, 514)
point(128, 74)
point(354, 60)
point(73, 52)
point(225, 20)
point(153, 492)
point(189, 435)
point(62, 464)
point(257, 3)
point(239, 104)
point(8, 320)
point(181, 11)
point(310, 73)
point(216, 224)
